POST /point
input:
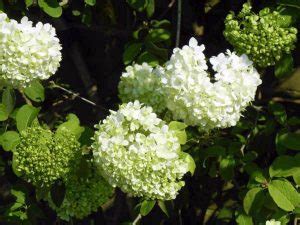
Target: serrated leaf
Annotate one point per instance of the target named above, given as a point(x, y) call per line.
point(146, 207)
point(253, 201)
point(9, 140)
point(25, 116)
point(3, 112)
point(284, 166)
point(35, 91)
point(9, 99)
point(51, 7)
point(72, 125)
point(131, 52)
point(284, 194)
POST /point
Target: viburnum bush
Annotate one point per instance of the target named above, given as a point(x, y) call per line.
point(194, 138)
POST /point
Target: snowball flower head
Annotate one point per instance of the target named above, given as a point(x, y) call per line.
point(28, 52)
point(273, 222)
point(265, 37)
point(142, 83)
point(43, 157)
point(191, 96)
point(86, 191)
point(139, 153)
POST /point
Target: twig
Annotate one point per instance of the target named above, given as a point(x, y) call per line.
point(166, 10)
point(179, 5)
point(28, 102)
point(76, 95)
point(137, 219)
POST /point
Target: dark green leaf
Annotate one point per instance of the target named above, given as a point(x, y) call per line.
point(284, 166)
point(57, 192)
point(9, 99)
point(227, 168)
point(138, 5)
point(150, 8)
point(148, 58)
point(3, 112)
point(35, 91)
point(163, 207)
point(51, 7)
point(90, 2)
point(279, 112)
point(146, 207)
point(25, 116)
point(158, 35)
point(284, 66)
point(290, 140)
point(292, 3)
point(131, 52)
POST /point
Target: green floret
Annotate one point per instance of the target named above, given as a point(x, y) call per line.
point(265, 37)
point(85, 193)
point(42, 157)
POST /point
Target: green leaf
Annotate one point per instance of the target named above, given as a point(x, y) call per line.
point(175, 125)
point(138, 5)
point(296, 178)
point(3, 112)
point(58, 192)
point(72, 125)
point(25, 116)
point(290, 140)
point(163, 207)
point(28, 3)
point(215, 151)
point(146, 207)
point(284, 194)
point(51, 7)
point(131, 52)
point(150, 8)
point(278, 111)
point(284, 166)
point(148, 58)
point(9, 99)
point(161, 53)
point(90, 2)
point(284, 66)
point(291, 3)
point(35, 91)
point(10, 140)
point(227, 168)
point(243, 219)
point(1, 5)
point(189, 160)
point(14, 167)
point(253, 201)
point(158, 35)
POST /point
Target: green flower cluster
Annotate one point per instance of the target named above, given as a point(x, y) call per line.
point(42, 157)
point(264, 37)
point(85, 193)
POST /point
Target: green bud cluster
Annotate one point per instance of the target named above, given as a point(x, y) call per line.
point(42, 157)
point(264, 37)
point(85, 193)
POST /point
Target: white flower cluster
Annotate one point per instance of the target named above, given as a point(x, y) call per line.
point(193, 98)
point(142, 82)
point(273, 222)
point(27, 52)
point(137, 152)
